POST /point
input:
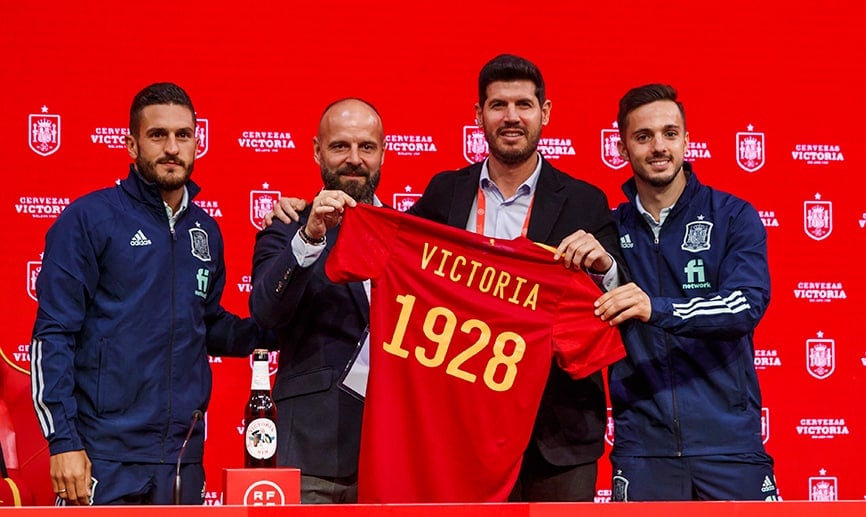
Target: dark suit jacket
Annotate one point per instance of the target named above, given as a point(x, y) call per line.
point(318, 324)
point(569, 428)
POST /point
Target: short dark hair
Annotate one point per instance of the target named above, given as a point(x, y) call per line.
point(157, 93)
point(637, 97)
point(508, 67)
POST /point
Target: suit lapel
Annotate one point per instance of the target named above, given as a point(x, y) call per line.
point(546, 206)
point(465, 189)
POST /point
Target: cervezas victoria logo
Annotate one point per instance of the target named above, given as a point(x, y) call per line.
point(751, 151)
point(109, 137)
point(41, 206)
point(768, 218)
point(817, 154)
point(697, 151)
point(556, 147)
point(44, 132)
point(821, 292)
point(767, 358)
point(410, 145)
point(610, 148)
point(266, 141)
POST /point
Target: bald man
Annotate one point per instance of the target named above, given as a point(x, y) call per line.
point(320, 324)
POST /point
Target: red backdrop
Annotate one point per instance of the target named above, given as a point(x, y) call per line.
point(774, 98)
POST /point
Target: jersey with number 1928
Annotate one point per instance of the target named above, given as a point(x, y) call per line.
point(463, 329)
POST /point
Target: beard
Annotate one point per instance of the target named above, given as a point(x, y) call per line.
point(662, 181)
point(169, 182)
point(362, 192)
point(513, 155)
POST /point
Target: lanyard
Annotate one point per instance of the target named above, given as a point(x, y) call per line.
point(482, 209)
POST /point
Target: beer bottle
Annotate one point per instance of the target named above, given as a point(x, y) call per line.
point(260, 417)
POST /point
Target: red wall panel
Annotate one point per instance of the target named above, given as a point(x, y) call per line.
point(261, 74)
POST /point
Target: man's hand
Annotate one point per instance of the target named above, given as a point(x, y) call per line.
point(286, 211)
point(70, 476)
point(581, 250)
point(625, 302)
point(327, 212)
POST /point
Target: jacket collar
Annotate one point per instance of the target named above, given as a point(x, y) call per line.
point(546, 206)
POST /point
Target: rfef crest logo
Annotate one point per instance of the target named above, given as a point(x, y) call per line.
point(44, 130)
point(750, 150)
point(474, 144)
point(262, 202)
point(697, 236)
point(765, 424)
point(33, 268)
point(823, 487)
point(820, 356)
point(608, 429)
point(610, 148)
point(264, 493)
point(202, 134)
point(404, 200)
point(818, 218)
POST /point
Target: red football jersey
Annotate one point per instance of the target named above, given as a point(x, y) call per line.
point(463, 329)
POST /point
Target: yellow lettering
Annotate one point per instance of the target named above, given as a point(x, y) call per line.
point(520, 281)
point(501, 284)
point(427, 256)
point(475, 266)
point(455, 277)
point(440, 271)
point(486, 281)
point(532, 298)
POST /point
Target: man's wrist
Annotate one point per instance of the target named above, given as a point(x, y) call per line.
point(302, 233)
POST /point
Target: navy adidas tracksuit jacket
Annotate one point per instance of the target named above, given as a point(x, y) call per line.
point(688, 385)
point(126, 307)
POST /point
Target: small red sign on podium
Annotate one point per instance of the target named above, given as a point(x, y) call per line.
point(262, 487)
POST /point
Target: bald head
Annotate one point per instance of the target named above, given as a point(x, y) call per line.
point(353, 112)
point(350, 148)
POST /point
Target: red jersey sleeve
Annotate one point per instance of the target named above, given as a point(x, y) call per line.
point(583, 344)
point(359, 255)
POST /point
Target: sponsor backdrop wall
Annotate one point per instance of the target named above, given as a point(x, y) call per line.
point(774, 98)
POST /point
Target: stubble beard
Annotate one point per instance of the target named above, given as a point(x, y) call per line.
point(513, 155)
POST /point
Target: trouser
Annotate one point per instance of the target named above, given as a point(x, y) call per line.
point(540, 481)
point(116, 483)
point(721, 477)
point(320, 490)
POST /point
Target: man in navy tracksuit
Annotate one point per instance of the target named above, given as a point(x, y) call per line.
point(686, 401)
point(129, 309)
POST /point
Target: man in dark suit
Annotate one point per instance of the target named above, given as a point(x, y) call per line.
point(513, 192)
point(516, 192)
point(319, 323)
